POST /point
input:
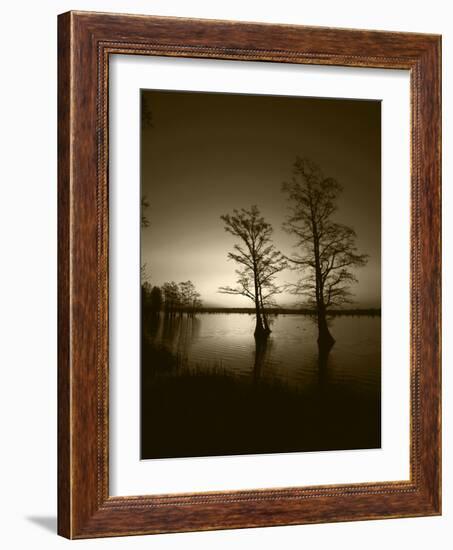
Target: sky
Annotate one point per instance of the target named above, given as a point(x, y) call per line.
point(205, 154)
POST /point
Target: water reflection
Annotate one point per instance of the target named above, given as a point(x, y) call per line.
point(291, 355)
point(323, 362)
point(262, 348)
point(210, 388)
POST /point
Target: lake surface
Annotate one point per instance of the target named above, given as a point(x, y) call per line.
point(339, 392)
point(290, 355)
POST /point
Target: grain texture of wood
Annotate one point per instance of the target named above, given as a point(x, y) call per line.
point(85, 41)
point(64, 369)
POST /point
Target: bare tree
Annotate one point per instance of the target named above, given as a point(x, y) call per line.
point(327, 253)
point(147, 122)
point(144, 222)
point(172, 298)
point(144, 275)
point(189, 297)
point(259, 262)
point(144, 204)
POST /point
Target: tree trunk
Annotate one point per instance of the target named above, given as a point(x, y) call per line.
point(325, 339)
point(265, 323)
point(259, 329)
point(263, 313)
point(260, 354)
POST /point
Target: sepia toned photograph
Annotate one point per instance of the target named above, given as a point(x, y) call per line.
point(260, 274)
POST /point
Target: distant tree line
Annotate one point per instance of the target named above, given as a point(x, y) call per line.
point(171, 298)
point(277, 310)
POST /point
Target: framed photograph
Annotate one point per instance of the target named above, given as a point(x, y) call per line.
point(249, 275)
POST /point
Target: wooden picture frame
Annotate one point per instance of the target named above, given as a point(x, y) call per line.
point(85, 42)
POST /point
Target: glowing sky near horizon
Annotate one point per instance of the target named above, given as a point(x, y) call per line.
point(207, 154)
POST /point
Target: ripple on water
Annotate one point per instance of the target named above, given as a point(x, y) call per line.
point(290, 354)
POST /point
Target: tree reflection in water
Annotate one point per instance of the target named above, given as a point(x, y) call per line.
point(262, 348)
point(209, 389)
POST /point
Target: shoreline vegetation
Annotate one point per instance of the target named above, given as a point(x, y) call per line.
point(247, 415)
point(369, 312)
point(172, 299)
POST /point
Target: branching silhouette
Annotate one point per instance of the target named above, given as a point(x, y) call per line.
point(326, 249)
point(259, 262)
point(144, 204)
point(189, 298)
point(144, 274)
point(172, 298)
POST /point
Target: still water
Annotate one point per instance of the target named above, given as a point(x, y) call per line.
point(226, 342)
point(208, 388)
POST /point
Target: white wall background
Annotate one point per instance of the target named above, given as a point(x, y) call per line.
point(28, 122)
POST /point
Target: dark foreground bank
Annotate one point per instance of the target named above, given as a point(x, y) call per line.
point(207, 412)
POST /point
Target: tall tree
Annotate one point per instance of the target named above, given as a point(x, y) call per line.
point(190, 298)
point(258, 259)
point(327, 253)
point(155, 300)
point(172, 298)
point(144, 204)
